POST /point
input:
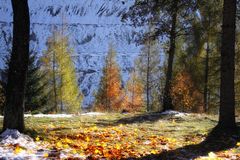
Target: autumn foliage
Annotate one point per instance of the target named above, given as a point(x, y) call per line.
point(109, 96)
point(61, 80)
point(186, 97)
point(134, 100)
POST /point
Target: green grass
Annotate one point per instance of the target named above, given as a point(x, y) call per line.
point(114, 129)
point(180, 128)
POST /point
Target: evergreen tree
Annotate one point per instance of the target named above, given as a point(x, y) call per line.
point(206, 40)
point(109, 95)
point(35, 97)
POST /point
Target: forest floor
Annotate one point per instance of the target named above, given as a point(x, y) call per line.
point(172, 135)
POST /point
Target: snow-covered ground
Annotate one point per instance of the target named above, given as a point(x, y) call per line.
point(50, 115)
point(14, 145)
point(92, 114)
point(174, 113)
point(168, 112)
point(17, 146)
point(61, 115)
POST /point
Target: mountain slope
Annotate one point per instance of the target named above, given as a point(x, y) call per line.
point(90, 24)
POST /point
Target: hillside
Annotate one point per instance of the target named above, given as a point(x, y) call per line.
point(91, 25)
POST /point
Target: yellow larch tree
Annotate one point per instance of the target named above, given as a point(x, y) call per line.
point(63, 81)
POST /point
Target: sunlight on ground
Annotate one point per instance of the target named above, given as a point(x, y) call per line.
point(116, 136)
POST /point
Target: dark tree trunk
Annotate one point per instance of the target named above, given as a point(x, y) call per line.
point(14, 109)
point(206, 91)
point(206, 78)
point(227, 95)
point(167, 100)
point(148, 76)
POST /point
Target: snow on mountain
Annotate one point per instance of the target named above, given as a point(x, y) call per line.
point(91, 26)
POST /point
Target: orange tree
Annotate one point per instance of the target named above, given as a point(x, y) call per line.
point(186, 97)
point(109, 95)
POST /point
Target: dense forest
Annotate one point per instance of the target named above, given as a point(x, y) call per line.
point(188, 64)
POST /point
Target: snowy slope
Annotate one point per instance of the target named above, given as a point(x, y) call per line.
point(91, 26)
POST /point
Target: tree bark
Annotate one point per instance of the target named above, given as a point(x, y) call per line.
point(167, 100)
point(14, 109)
point(206, 90)
point(227, 94)
point(148, 76)
point(206, 78)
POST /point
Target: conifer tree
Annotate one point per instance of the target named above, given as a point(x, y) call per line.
point(198, 53)
point(35, 98)
point(147, 64)
point(134, 93)
point(60, 70)
point(171, 19)
point(69, 91)
point(203, 43)
point(48, 68)
point(109, 95)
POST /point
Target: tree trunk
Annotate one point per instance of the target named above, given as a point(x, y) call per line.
point(167, 100)
point(206, 92)
point(206, 78)
point(227, 94)
point(14, 109)
point(133, 90)
point(148, 76)
point(54, 81)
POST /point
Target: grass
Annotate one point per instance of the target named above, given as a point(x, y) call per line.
point(116, 136)
point(172, 127)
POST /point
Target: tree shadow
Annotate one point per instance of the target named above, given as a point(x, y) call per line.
point(139, 118)
point(217, 140)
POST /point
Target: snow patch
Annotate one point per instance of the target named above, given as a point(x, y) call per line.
point(174, 113)
point(53, 115)
point(92, 114)
point(61, 115)
point(12, 138)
